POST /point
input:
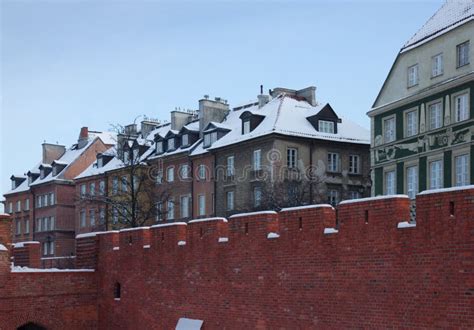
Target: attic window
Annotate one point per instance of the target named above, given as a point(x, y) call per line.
point(246, 127)
point(135, 155)
point(159, 147)
point(325, 126)
point(100, 162)
point(210, 138)
point(185, 140)
point(126, 156)
point(171, 144)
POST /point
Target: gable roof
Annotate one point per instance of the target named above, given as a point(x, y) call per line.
point(449, 16)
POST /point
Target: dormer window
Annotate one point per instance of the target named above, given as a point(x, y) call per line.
point(171, 145)
point(135, 154)
point(246, 127)
point(159, 147)
point(185, 140)
point(326, 126)
point(126, 156)
point(13, 184)
point(100, 162)
point(210, 138)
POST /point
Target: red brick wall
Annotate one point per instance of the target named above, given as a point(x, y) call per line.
point(370, 274)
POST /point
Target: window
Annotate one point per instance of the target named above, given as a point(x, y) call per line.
point(170, 174)
point(52, 223)
point(171, 144)
point(27, 204)
point(92, 188)
point(333, 197)
point(92, 217)
point(354, 194)
point(462, 51)
point(51, 247)
point(126, 156)
point(390, 183)
point(202, 205)
point(185, 171)
point(436, 174)
point(257, 196)
point(213, 137)
point(389, 130)
point(461, 107)
point(412, 181)
point(52, 199)
point(46, 224)
point(435, 114)
point(39, 202)
point(202, 172)
point(38, 224)
point(136, 182)
point(102, 215)
point(354, 167)
point(159, 211)
point(437, 65)
point(136, 155)
point(230, 166)
point(291, 157)
point(159, 177)
point(257, 160)
point(124, 185)
point(45, 200)
point(333, 162)
point(230, 200)
point(102, 187)
point(411, 123)
point(18, 205)
point(45, 248)
point(185, 139)
point(185, 206)
point(83, 218)
point(462, 170)
point(246, 127)
point(117, 290)
point(170, 214)
point(114, 215)
point(207, 140)
point(83, 190)
point(100, 162)
point(326, 126)
point(115, 185)
point(413, 75)
point(18, 227)
point(159, 147)
point(27, 226)
point(10, 207)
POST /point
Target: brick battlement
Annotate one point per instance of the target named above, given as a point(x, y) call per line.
point(362, 265)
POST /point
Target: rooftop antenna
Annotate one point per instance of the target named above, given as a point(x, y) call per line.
point(261, 89)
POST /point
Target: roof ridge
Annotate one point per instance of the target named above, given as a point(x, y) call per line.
point(277, 117)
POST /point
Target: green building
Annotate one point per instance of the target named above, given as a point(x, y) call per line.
point(422, 121)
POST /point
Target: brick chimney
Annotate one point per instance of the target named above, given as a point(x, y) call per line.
point(52, 152)
point(83, 137)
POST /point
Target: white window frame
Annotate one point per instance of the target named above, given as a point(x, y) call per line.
point(390, 182)
point(184, 206)
point(292, 157)
point(82, 218)
point(437, 65)
point(435, 181)
point(115, 185)
point(230, 168)
point(326, 126)
point(102, 187)
point(27, 226)
point(435, 122)
point(185, 171)
point(333, 162)
point(412, 180)
point(124, 183)
point(27, 204)
point(170, 209)
point(389, 133)
point(202, 204)
point(465, 114)
point(202, 172)
point(18, 205)
point(257, 196)
point(461, 178)
point(411, 122)
point(257, 160)
point(354, 164)
point(159, 211)
point(333, 197)
point(185, 140)
point(170, 174)
point(246, 126)
point(159, 147)
point(92, 217)
point(171, 143)
point(413, 75)
point(354, 194)
point(230, 200)
point(462, 54)
point(83, 190)
point(18, 227)
point(207, 140)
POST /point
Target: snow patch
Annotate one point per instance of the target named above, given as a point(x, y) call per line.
point(146, 246)
point(369, 199)
point(443, 190)
point(181, 243)
point(19, 269)
point(208, 219)
point(116, 248)
point(54, 258)
point(251, 213)
point(188, 324)
point(3, 248)
point(273, 235)
point(170, 224)
point(133, 229)
point(94, 233)
point(405, 224)
point(328, 231)
point(22, 244)
point(304, 207)
point(223, 239)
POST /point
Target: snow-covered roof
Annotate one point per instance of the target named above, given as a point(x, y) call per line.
point(287, 116)
point(109, 138)
point(93, 169)
point(451, 15)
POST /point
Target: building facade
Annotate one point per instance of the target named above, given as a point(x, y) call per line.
point(422, 121)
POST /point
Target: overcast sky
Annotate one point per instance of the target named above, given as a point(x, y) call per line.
point(67, 64)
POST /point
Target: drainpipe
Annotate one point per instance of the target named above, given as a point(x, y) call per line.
point(192, 187)
point(311, 173)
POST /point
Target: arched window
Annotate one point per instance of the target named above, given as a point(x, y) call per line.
point(117, 291)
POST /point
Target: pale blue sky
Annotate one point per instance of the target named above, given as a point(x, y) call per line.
point(67, 64)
